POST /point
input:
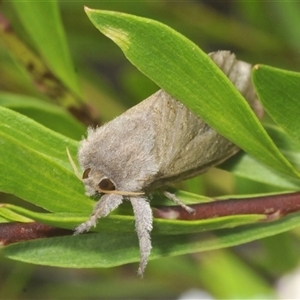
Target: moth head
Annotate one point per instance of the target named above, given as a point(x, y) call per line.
point(95, 182)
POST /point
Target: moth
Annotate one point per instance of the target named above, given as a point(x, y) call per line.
point(157, 142)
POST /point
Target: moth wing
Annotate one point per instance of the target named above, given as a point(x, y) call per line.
point(185, 144)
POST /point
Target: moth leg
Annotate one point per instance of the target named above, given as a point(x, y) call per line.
point(178, 201)
point(103, 207)
point(143, 226)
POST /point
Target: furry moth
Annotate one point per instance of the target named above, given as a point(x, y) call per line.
point(157, 142)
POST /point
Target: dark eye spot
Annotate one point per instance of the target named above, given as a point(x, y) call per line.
point(106, 185)
point(86, 173)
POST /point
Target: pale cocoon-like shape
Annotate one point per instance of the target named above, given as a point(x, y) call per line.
point(154, 143)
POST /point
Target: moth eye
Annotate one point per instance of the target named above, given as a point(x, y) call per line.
point(86, 173)
point(106, 185)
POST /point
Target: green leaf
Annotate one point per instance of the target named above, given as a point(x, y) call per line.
point(286, 13)
point(49, 115)
point(246, 166)
point(279, 92)
point(35, 166)
point(178, 66)
point(103, 250)
point(123, 223)
point(3, 220)
point(236, 281)
point(10, 215)
point(42, 21)
point(243, 165)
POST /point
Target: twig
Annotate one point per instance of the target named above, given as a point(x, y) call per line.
point(18, 232)
point(273, 206)
point(43, 78)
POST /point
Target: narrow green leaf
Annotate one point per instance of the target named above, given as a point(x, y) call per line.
point(246, 166)
point(123, 223)
point(286, 13)
point(103, 250)
point(237, 279)
point(35, 166)
point(243, 165)
point(279, 92)
point(10, 215)
point(184, 71)
point(49, 115)
point(3, 220)
point(51, 184)
point(42, 21)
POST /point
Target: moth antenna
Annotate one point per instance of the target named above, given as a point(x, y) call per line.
point(73, 164)
point(123, 193)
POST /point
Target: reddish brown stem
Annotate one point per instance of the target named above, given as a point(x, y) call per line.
point(18, 232)
point(271, 206)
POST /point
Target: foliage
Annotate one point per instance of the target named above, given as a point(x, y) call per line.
point(34, 136)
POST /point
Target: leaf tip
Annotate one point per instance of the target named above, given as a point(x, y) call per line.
point(107, 27)
point(87, 9)
point(256, 67)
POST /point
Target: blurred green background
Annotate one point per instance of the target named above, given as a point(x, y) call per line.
point(258, 32)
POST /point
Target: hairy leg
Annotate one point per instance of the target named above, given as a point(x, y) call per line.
point(103, 207)
point(178, 202)
point(143, 226)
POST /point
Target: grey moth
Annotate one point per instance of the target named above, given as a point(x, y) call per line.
point(155, 143)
